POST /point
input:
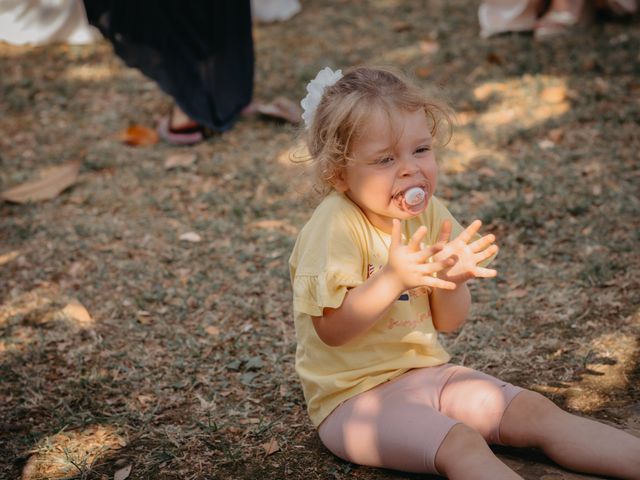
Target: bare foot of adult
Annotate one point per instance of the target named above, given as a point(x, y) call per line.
point(561, 17)
point(181, 122)
point(179, 129)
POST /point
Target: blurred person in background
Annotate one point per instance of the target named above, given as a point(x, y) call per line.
point(545, 18)
point(200, 53)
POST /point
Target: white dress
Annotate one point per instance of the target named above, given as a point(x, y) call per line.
point(499, 16)
point(274, 10)
point(38, 22)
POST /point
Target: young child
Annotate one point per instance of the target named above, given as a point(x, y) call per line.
point(378, 270)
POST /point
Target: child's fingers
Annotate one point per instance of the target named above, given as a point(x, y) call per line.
point(396, 234)
point(416, 238)
point(423, 255)
point(482, 272)
point(439, 283)
point(482, 243)
point(468, 233)
point(445, 231)
point(486, 253)
point(434, 267)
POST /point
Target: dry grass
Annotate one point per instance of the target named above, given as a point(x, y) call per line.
point(180, 364)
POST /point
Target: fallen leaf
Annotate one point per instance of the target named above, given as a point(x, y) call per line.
point(179, 160)
point(494, 58)
point(487, 172)
point(556, 135)
point(192, 237)
point(123, 473)
point(517, 293)
point(139, 136)
point(249, 421)
point(144, 317)
point(211, 330)
point(424, 72)
point(77, 313)
point(402, 26)
point(145, 400)
point(53, 181)
point(271, 447)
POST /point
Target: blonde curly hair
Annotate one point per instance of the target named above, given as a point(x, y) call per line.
point(345, 107)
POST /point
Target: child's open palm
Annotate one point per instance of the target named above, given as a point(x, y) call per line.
point(412, 265)
point(466, 252)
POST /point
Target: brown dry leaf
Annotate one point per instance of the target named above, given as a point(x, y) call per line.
point(179, 160)
point(57, 456)
point(144, 317)
point(271, 447)
point(139, 136)
point(77, 313)
point(145, 400)
point(424, 72)
point(556, 135)
point(52, 182)
point(123, 473)
point(249, 421)
point(518, 293)
point(402, 26)
point(213, 331)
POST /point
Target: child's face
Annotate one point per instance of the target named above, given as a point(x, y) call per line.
point(386, 163)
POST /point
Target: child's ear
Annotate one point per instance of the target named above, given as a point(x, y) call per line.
point(339, 182)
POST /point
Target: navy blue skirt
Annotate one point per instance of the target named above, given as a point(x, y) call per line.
point(199, 52)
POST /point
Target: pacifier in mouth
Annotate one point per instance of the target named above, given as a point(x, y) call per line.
point(414, 196)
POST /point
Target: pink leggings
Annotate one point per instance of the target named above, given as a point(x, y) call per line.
point(402, 423)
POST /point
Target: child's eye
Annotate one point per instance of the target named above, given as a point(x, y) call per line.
point(383, 161)
point(423, 149)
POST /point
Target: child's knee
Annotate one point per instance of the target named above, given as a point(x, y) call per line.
point(535, 406)
point(526, 417)
point(461, 442)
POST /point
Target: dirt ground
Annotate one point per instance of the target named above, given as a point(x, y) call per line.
point(129, 350)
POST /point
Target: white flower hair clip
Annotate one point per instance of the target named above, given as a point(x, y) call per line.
point(325, 78)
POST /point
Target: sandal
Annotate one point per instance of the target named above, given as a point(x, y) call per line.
point(560, 22)
point(188, 134)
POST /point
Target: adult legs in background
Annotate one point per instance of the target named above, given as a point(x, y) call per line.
point(562, 16)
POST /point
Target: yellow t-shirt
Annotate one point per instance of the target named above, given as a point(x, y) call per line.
point(339, 249)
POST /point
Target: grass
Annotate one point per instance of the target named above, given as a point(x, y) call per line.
point(185, 368)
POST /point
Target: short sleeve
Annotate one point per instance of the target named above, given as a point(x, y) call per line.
point(313, 293)
point(329, 257)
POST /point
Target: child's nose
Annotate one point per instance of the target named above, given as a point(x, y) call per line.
point(408, 167)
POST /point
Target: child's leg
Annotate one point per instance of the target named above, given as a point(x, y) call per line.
point(465, 454)
point(532, 420)
point(397, 425)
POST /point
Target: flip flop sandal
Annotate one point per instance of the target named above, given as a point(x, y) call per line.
point(555, 24)
point(180, 136)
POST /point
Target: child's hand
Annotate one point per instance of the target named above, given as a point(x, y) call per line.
point(466, 255)
point(411, 265)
